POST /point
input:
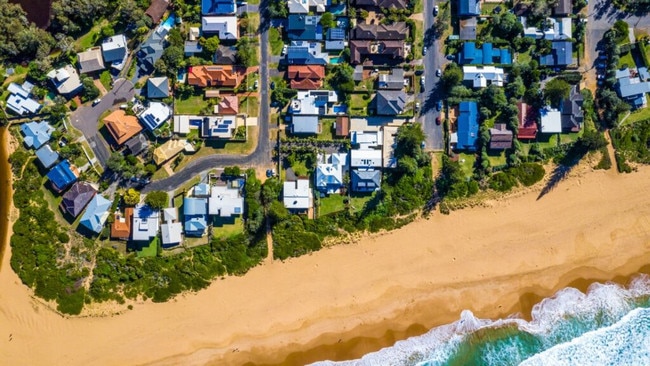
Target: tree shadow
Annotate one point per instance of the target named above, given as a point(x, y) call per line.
point(562, 170)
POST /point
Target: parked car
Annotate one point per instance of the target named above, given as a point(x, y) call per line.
point(424, 50)
point(422, 80)
point(439, 105)
point(256, 84)
point(417, 106)
point(438, 72)
point(284, 50)
point(451, 57)
point(438, 120)
point(96, 101)
point(436, 9)
point(272, 85)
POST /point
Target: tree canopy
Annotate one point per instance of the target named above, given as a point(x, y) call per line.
point(157, 199)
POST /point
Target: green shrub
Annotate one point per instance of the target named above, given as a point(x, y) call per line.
point(528, 173)
point(605, 161)
point(502, 182)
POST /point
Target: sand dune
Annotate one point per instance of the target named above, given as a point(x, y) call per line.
point(493, 260)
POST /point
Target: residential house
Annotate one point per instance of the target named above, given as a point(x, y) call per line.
point(194, 33)
point(121, 226)
point(306, 53)
point(228, 105)
point(226, 200)
point(66, 80)
point(62, 175)
point(226, 76)
point(467, 126)
point(572, 113)
point(225, 55)
point(303, 6)
point(313, 102)
point(552, 31)
point(563, 8)
point(201, 190)
point(96, 214)
point(145, 224)
point(551, 120)
point(365, 140)
point(211, 7)
point(395, 4)
point(365, 180)
point(500, 137)
point(158, 87)
point(90, 60)
point(155, 115)
point(397, 31)
point(335, 39)
point(20, 100)
point(366, 160)
point(122, 126)
point(192, 47)
point(137, 145)
point(195, 212)
point(394, 80)
point(480, 76)
point(77, 198)
point(297, 196)
point(36, 133)
point(225, 27)
point(304, 28)
point(305, 125)
point(306, 77)
point(342, 126)
point(330, 170)
point(467, 30)
point(115, 51)
point(469, 8)
point(151, 51)
point(527, 126)
point(390, 102)
point(171, 229)
point(631, 88)
point(156, 10)
point(561, 55)
point(484, 55)
point(168, 150)
point(222, 127)
point(46, 156)
point(376, 52)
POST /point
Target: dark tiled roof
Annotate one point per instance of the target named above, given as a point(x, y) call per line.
point(77, 197)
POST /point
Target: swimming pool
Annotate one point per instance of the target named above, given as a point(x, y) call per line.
point(169, 22)
point(336, 60)
point(341, 108)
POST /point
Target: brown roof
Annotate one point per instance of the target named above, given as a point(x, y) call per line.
point(342, 126)
point(214, 75)
point(395, 31)
point(527, 126)
point(122, 126)
point(229, 105)
point(77, 198)
point(121, 228)
point(306, 77)
point(157, 9)
point(398, 4)
point(386, 50)
point(500, 137)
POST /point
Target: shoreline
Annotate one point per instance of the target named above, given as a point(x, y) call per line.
point(347, 300)
point(6, 191)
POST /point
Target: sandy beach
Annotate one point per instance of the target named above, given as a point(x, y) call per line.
point(348, 300)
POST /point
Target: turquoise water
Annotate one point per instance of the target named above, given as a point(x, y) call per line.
point(609, 325)
point(169, 22)
point(336, 60)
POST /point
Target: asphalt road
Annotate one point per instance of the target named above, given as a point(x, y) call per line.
point(86, 118)
point(262, 153)
point(434, 59)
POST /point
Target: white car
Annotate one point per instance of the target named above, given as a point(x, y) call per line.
point(284, 50)
point(435, 10)
point(422, 80)
point(256, 85)
point(96, 101)
point(438, 72)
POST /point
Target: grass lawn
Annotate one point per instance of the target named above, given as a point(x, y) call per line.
point(150, 250)
point(359, 105)
point(524, 58)
point(254, 2)
point(419, 39)
point(225, 227)
point(106, 79)
point(488, 8)
point(334, 203)
point(626, 59)
point(300, 168)
point(250, 106)
point(327, 129)
point(184, 188)
point(89, 39)
point(497, 158)
point(191, 105)
point(253, 23)
point(365, 85)
point(637, 116)
point(418, 7)
point(275, 39)
point(467, 163)
point(160, 174)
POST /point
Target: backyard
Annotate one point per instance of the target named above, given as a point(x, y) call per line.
point(359, 104)
point(192, 105)
point(225, 227)
point(249, 105)
point(335, 203)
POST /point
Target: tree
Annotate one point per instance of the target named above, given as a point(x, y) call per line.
point(90, 90)
point(173, 57)
point(327, 20)
point(211, 45)
point(452, 76)
point(116, 162)
point(409, 141)
point(556, 90)
point(507, 26)
point(157, 199)
point(131, 197)
point(246, 52)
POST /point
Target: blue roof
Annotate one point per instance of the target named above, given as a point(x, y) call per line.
point(46, 156)
point(335, 34)
point(62, 175)
point(484, 55)
point(487, 53)
point(36, 133)
point(632, 90)
point(217, 7)
point(305, 55)
point(96, 213)
point(561, 55)
point(202, 189)
point(194, 212)
point(506, 56)
point(195, 206)
point(305, 124)
point(469, 7)
point(643, 73)
point(304, 28)
point(467, 126)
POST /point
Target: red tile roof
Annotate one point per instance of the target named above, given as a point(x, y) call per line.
point(306, 77)
point(527, 125)
point(214, 75)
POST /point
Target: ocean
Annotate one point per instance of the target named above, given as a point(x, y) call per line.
point(607, 325)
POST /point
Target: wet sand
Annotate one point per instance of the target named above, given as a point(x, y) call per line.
point(348, 300)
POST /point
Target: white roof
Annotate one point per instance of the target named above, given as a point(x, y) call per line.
point(194, 33)
point(170, 214)
point(182, 124)
point(145, 223)
point(225, 201)
point(171, 233)
point(307, 102)
point(365, 158)
point(20, 103)
point(155, 115)
point(18, 89)
point(551, 120)
point(366, 139)
point(480, 75)
point(226, 26)
point(329, 172)
point(302, 6)
point(297, 194)
point(66, 79)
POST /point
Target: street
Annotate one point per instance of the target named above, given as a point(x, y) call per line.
point(86, 118)
point(431, 94)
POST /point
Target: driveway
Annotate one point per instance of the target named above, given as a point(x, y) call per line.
point(86, 118)
point(432, 92)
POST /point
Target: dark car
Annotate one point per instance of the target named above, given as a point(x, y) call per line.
point(439, 105)
point(451, 57)
point(438, 120)
point(272, 85)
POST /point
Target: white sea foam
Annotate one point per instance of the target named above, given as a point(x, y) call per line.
point(602, 303)
point(624, 343)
